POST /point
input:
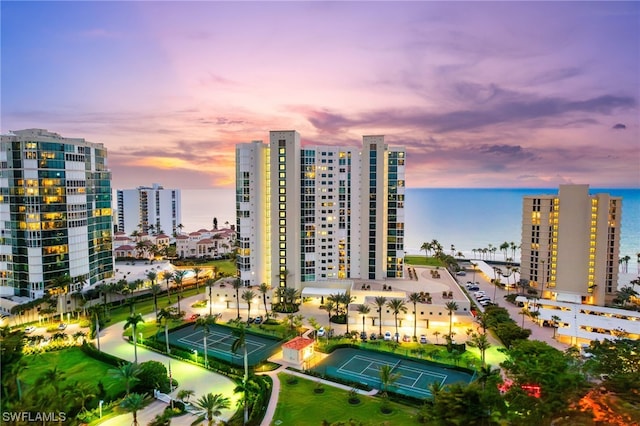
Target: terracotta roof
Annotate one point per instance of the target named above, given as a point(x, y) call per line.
point(121, 239)
point(194, 234)
point(182, 237)
point(120, 233)
point(205, 241)
point(162, 236)
point(298, 343)
point(203, 230)
point(125, 248)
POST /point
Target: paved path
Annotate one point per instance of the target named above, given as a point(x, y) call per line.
point(189, 376)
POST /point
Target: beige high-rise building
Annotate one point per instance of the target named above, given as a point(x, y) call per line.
point(570, 245)
point(319, 213)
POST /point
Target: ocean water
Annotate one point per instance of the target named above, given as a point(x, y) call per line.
point(467, 218)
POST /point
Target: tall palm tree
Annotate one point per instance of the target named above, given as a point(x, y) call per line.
point(196, 270)
point(427, 248)
point(166, 314)
point(155, 290)
point(178, 279)
point(241, 342)
point(133, 321)
point(415, 298)
point(237, 285)
point(380, 302)
point(481, 342)
point(133, 403)
point(346, 299)
point(363, 310)
point(486, 373)
point(185, 394)
point(387, 377)
point(168, 277)
point(205, 324)
point(329, 306)
point(209, 283)
point(555, 320)
point(248, 296)
point(210, 406)
point(396, 306)
point(128, 372)
point(264, 289)
point(451, 307)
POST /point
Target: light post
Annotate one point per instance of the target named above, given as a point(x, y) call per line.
point(100, 405)
point(140, 336)
point(195, 351)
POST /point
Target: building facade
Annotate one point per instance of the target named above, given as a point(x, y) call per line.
point(570, 245)
point(149, 209)
point(55, 213)
point(318, 213)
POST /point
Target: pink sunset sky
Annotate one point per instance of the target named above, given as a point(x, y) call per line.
point(481, 94)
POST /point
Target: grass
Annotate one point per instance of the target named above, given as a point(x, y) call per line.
point(298, 404)
point(77, 367)
point(423, 261)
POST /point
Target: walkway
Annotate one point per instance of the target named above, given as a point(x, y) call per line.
point(189, 376)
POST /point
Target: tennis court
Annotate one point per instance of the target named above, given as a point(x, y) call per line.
point(219, 342)
point(362, 366)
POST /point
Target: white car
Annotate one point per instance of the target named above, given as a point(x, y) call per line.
point(30, 329)
point(423, 339)
point(387, 335)
point(321, 332)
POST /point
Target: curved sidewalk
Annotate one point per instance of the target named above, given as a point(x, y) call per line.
point(189, 376)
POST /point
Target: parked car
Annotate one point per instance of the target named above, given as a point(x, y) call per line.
point(461, 273)
point(423, 339)
point(30, 329)
point(62, 326)
point(258, 319)
point(373, 336)
point(321, 332)
point(194, 317)
point(387, 335)
point(406, 338)
point(363, 336)
point(474, 288)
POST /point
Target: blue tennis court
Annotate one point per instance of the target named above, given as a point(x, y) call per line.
point(219, 342)
point(415, 377)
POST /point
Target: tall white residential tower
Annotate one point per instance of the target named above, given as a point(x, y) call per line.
point(319, 213)
point(149, 209)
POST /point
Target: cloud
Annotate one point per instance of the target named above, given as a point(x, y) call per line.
point(619, 126)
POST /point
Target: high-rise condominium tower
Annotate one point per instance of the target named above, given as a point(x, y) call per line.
point(319, 213)
point(55, 213)
point(149, 209)
point(570, 244)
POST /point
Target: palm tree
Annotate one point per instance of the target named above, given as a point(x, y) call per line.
point(396, 306)
point(486, 373)
point(205, 324)
point(555, 319)
point(363, 310)
point(82, 392)
point(185, 394)
point(427, 248)
point(248, 296)
point(387, 377)
point(415, 298)
point(241, 342)
point(210, 406)
point(133, 403)
point(380, 302)
point(237, 284)
point(451, 307)
point(128, 372)
point(209, 283)
point(133, 321)
point(155, 290)
point(178, 278)
point(196, 270)
point(347, 299)
point(329, 306)
point(264, 289)
point(436, 334)
point(166, 314)
point(481, 342)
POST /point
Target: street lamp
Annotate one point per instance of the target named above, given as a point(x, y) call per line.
point(195, 351)
point(100, 405)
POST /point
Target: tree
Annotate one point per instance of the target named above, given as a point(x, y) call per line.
point(415, 298)
point(209, 283)
point(196, 271)
point(127, 372)
point(178, 279)
point(346, 299)
point(185, 394)
point(82, 393)
point(237, 285)
point(166, 314)
point(481, 342)
point(315, 325)
point(205, 324)
point(241, 342)
point(427, 248)
point(155, 290)
point(387, 378)
point(210, 406)
point(248, 296)
point(554, 322)
point(264, 289)
point(133, 403)
point(619, 360)
point(380, 302)
point(153, 375)
point(436, 334)
point(168, 277)
point(133, 321)
point(451, 308)
point(329, 306)
point(363, 310)
point(396, 306)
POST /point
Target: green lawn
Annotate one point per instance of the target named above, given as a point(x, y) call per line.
point(298, 404)
point(423, 261)
point(77, 367)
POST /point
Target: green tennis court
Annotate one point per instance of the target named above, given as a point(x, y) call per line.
point(219, 342)
point(362, 366)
